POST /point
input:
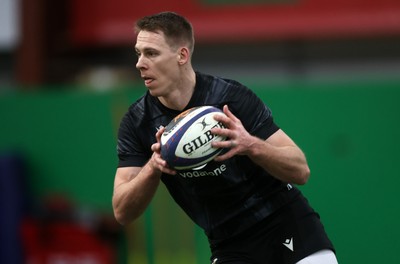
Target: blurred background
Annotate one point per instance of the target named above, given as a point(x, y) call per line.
point(329, 70)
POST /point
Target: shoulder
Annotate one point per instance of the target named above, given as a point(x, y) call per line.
point(235, 92)
point(142, 110)
point(220, 91)
point(133, 136)
point(137, 109)
point(133, 118)
point(213, 81)
point(224, 89)
point(248, 107)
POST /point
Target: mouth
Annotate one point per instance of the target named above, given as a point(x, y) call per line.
point(147, 80)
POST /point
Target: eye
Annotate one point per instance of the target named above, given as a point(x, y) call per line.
point(151, 53)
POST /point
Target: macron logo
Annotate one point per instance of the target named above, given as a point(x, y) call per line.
point(289, 243)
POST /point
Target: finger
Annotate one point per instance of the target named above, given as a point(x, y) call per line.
point(222, 132)
point(162, 165)
point(229, 114)
point(160, 131)
point(167, 169)
point(224, 144)
point(221, 118)
point(156, 147)
point(228, 119)
point(233, 143)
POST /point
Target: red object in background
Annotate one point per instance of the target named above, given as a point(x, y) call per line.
point(65, 243)
point(102, 22)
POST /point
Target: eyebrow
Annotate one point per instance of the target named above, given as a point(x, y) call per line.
point(146, 49)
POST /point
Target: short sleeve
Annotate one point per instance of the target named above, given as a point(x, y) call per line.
point(254, 114)
point(129, 148)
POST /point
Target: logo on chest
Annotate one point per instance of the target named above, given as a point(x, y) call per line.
point(203, 173)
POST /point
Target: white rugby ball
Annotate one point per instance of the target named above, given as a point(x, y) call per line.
point(186, 141)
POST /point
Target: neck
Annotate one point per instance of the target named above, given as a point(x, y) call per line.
point(179, 98)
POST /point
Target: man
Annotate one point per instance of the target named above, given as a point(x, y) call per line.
point(245, 202)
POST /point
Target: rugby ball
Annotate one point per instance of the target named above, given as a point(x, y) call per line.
point(186, 141)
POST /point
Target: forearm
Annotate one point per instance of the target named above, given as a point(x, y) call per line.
point(278, 155)
point(287, 163)
point(131, 198)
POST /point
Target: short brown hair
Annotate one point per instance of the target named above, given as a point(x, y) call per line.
point(176, 28)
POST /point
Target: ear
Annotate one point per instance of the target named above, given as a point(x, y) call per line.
point(183, 55)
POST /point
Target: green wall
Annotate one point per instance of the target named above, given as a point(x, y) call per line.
point(350, 136)
point(349, 132)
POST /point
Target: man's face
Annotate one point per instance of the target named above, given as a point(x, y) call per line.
point(157, 62)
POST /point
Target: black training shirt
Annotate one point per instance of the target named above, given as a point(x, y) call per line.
point(224, 198)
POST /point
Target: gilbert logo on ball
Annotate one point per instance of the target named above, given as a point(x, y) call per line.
point(186, 141)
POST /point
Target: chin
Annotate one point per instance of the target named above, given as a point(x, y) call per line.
point(153, 91)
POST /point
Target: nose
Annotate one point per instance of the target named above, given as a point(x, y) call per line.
point(140, 63)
